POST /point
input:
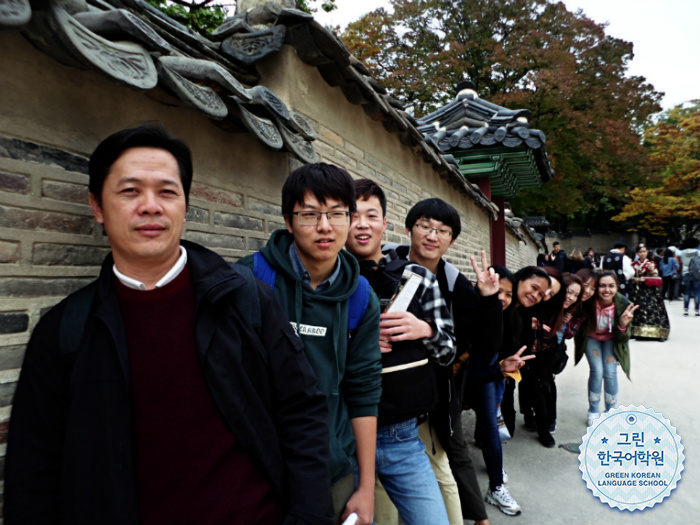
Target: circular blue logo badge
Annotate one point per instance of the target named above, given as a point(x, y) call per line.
point(631, 458)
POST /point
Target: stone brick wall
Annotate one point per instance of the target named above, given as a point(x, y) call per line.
point(520, 253)
point(51, 118)
point(600, 242)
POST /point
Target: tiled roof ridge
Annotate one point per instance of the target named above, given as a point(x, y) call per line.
point(137, 45)
point(217, 76)
point(470, 121)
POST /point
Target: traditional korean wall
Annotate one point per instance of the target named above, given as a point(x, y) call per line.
point(519, 253)
point(52, 117)
point(600, 242)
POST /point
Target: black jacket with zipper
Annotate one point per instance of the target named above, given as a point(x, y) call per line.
point(411, 391)
point(70, 456)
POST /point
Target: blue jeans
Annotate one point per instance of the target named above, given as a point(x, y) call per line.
point(405, 472)
point(485, 401)
point(691, 289)
point(603, 365)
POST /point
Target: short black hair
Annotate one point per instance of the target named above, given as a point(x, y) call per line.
point(619, 245)
point(366, 188)
point(555, 243)
point(152, 135)
point(438, 210)
point(323, 181)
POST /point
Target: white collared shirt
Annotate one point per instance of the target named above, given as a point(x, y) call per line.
point(172, 273)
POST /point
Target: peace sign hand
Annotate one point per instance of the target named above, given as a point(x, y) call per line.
point(627, 315)
point(515, 362)
point(486, 278)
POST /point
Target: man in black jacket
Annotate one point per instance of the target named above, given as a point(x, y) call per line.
point(177, 405)
point(558, 258)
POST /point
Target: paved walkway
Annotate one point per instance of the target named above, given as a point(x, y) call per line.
point(547, 483)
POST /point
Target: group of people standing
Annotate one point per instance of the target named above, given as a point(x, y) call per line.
point(645, 277)
point(305, 384)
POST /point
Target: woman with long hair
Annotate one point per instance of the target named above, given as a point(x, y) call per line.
point(575, 261)
point(574, 298)
point(537, 389)
point(530, 285)
point(484, 387)
point(603, 337)
point(651, 320)
point(589, 284)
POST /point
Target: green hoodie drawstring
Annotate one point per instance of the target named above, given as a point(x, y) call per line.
point(298, 303)
point(334, 335)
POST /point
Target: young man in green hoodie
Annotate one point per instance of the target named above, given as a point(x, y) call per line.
point(314, 280)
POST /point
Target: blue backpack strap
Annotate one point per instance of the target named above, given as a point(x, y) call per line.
point(357, 305)
point(74, 318)
point(247, 299)
point(263, 270)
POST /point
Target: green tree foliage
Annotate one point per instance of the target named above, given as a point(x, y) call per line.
point(204, 16)
point(530, 54)
point(670, 204)
point(309, 7)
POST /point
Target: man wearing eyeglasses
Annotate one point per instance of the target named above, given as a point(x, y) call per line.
point(315, 280)
point(433, 227)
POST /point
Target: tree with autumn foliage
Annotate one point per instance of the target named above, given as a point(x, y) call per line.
point(531, 54)
point(669, 205)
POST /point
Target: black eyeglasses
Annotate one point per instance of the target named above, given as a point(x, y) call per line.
point(311, 218)
point(426, 229)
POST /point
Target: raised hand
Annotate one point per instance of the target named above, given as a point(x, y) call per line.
point(486, 278)
point(515, 362)
point(627, 315)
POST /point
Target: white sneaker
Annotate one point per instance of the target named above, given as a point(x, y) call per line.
point(592, 418)
point(502, 499)
point(505, 476)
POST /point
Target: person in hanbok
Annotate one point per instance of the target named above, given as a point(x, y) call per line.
point(651, 319)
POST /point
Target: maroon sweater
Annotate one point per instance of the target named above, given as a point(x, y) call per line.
point(190, 467)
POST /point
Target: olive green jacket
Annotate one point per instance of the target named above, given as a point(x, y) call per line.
point(620, 339)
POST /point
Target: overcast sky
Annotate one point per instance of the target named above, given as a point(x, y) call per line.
point(665, 34)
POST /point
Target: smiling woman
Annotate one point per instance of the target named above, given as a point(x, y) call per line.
point(531, 285)
point(604, 337)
